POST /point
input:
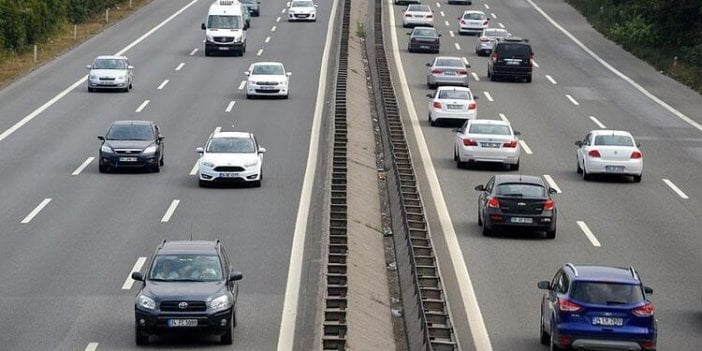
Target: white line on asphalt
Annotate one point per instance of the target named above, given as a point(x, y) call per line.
point(447, 24)
point(621, 75)
point(169, 212)
point(588, 233)
point(575, 102)
point(282, 11)
point(217, 130)
point(273, 28)
point(481, 339)
point(442, 14)
point(465, 60)
point(136, 268)
point(675, 188)
point(494, 16)
point(142, 106)
point(36, 211)
point(487, 7)
point(241, 86)
point(277, 19)
point(503, 117)
point(65, 92)
point(91, 346)
point(458, 47)
point(260, 51)
point(438, 5)
point(599, 124)
point(196, 166)
point(525, 147)
point(267, 40)
point(83, 165)
point(501, 25)
point(475, 76)
point(551, 79)
point(451, 33)
point(193, 52)
point(552, 183)
point(286, 336)
point(230, 106)
point(488, 96)
point(534, 63)
point(180, 66)
point(160, 87)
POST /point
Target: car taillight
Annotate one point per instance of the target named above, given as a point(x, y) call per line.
point(493, 203)
point(594, 153)
point(511, 143)
point(408, 15)
point(648, 345)
point(437, 71)
point(469, 142)
point(646, 310)
point(568, 306)
point(430, 15)
point(436, 104)
point(636, 154)
point(494, 57)
point(549, 205)
point(472, 106)
point(462, 73)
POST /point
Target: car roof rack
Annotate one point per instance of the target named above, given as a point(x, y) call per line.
point(571, 266)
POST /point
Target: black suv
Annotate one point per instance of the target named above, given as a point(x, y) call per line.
point(131, 144)
point(189, 287)
point(511, 57)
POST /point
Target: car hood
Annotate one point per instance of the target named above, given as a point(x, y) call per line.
point(230, 159)
point(128, 144)
point(302, 9)
point(110, 73)
point(236, 33)
point(267, 78)
point(191, 291)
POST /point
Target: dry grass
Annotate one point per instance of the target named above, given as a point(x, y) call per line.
point(16, 64)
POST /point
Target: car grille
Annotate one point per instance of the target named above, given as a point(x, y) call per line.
point(127, 152)
point(229, 169)
point(266, 83)
point(223, 39)
point(107, 78)
point(301, 15)
point(193, 306)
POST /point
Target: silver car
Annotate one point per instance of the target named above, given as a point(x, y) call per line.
point(487, 140)
point(486, 40)
point(110, 72)
point(418, 15)
point(447, 70)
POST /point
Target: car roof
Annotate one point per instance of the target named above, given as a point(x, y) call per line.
point(111, 57)
point(518, 178)
point(267, 63)
point(232, 135)
point(587, 272)
point(489, 121)
point(448, 58)
point(188, 247)
point(132, 122)
point(473, 11)
point(609, 132)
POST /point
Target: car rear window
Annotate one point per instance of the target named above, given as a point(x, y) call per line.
point(419, 8)
point(489, 129)
point(425, 32)
point(606, 293)
point(449, 62)
point(514, 50)
point(615, 140)
point(520, 190)
point(454, 94)
point(474, 16)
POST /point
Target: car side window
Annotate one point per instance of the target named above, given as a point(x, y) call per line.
point(555, 283)
point(586, 141)
point(565, 284)
point(225, 258)
point(490, 184)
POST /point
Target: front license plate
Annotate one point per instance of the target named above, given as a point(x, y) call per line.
point(614, 168)
point(490, 144)
point(177, 323)
point(522, 220)
point(127, 159)
point(267, 88)
point(229, 175)
point(608, 321)
point(223, 48)
point(424, 46)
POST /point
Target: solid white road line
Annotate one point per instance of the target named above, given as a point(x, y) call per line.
point(475, 76)
point(526, 147)
point(478, 331)
point(142, 106)
point(36, 211)
point(91, 346)
point(551, 79)
point(494, 16)
point(267, 40)
point(501, 25)
point(180, 66)
point(534, 63)
point(83, 165)
point(230, 106)
point(503, 117)
point(552, 183)
point(575, 102)
point(488, 96)
point(193, 52)
point(447, 24)
point(458, 47)
point(196, 166)
point(65, 92)
point(160, 87)
point(273, 28)
point(442, 14)
point(242, 85)
point(675, 189)
point(169, 212)
point(286, 336)
point(588, 233)
point(260, 51)
point(599, 124)
point(136, 268)
point(451, 33)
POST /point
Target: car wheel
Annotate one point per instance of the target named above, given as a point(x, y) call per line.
point(586, 176)
point(90, 90)
point(528, 79)
point(545, 338)
point(102, 168)
point(226, 338)
point(552, 344)
point(514, 167)
point(551, 234)
point(431, 121)
point(637, 178)
point(140, 338)
point(486, 231)
point(156, 168)
point(455, 154)
point(207, 52)
point(578, 169)
point(161, 162)
point(286, 96)
point(202, 183)
point(480, 218)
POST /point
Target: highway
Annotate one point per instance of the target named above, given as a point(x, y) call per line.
point(653, 226)
point(70, 237)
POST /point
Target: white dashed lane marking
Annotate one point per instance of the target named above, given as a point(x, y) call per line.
point(91, 346)
point(493, 15)
point(501, 25)
point(525, 147)
point(160, 87)
point(488, 96)
point(442, 14)
point(193, 52)
point(503, 117)
point(599, 124)
point(193, 171)
point(575, 102)
point(273, 28)
point(458, 47)
point(447, 24)
point(142, 106)
point(553, 81)
point(180, 66)
point(438, 5)
point(36, 211)
point(260, 51)
point(83, 165)
point(534, 63)
point(277, 19)
point(267, 40)
point(487, 7)
point(136, 268)
point(588, 234)
point(552, 183)
point(675, 188)
point(475, 76)
point(169, 212)
point(451, 33)
point(230, 106)
point(241, 86)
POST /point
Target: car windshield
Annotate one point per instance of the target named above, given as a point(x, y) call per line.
point(277, 70)
point(494, 129)
point(474, 16)
point(424, 32)
point(520, 190)
point(302, 4)
point(418, 8)
point(495, 33)
point(130, 132)
point(514, 50)
point(454, 94)
point(606, 293)
point(449, 63)
point(231, 145)
point(224, 22)
point(109, 64)
point(186, 267)
point(613, 140)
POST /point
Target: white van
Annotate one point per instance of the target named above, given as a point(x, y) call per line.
point(225, 29)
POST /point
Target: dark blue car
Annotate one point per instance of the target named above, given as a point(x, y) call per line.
point(588, 307)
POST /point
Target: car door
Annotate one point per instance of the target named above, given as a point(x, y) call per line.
point(550, 297)
point(159, 141)
point(482, 200)
point(458, 139)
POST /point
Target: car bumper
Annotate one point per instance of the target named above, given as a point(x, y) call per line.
point(437, 115)
point(417, 22)
point(154, 323)
point(422, 46)
point(246, 176)
point(302, 17)
point(620, 339)
point(224, 47)
point(278, 90)
point(498, 220)
point(614, 167)
point(108, 84)
point(497, 155)
point(470, 30)
point(128, 161)
point(449, 80)
point(518, 72)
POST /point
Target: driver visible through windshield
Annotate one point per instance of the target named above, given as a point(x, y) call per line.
point(186, 268)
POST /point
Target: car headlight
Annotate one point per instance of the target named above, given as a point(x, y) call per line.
point(150, 149)
point(220, 303)
point(209, 37)
point(122, 77)
point(93, 77)
point(247, 165)
point(106, 149)
point(146, 302)
point(238, 39)
point(207, 164)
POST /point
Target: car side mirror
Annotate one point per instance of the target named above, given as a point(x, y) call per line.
point(438, 35)
point(458, 18)
point(161, 137)
point(261, 150)
point(234, 276)
point(202, 26)
point(638, 144)
point(648, 290)
point(288, 74)
point(101, 138)
point(409, 33)
point(456, 130)
point(247, 73)
point(138, 276)
point(199, 150)
point(552, 191)
point(428, 64)
point(130, 67)
point(544, 285)
point(88, 66)
point(476, 97)
point(480, 187)
point(467, 65)
point(316, 5)
point(516, 132)
point(430, 95)
point(578, 143)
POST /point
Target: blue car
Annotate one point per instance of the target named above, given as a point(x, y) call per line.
point(588, 307)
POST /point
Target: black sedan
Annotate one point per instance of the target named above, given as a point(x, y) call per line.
point(516, 201)
point(423, 39)
point(131, 144)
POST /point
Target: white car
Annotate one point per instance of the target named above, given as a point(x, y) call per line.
point(267, 79)
point(487, 140)
point(110, 72)
point(418, 15)
point(452, 103)
point(302, 10)
point(609, 152)
point(486, 41)
point(231, 157)
point(472, 22)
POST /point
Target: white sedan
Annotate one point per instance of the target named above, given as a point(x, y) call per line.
point(487, 140)
point(267, 79)
point(472, 22)
point(452, 103)
point(609, 152)
point(418, 15)
point(231, 157)
point(302, 10)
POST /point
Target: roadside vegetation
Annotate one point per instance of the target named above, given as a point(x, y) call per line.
point(665, 33)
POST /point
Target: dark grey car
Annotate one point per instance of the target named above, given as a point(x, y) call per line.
point(131, 144)
point(423, 39)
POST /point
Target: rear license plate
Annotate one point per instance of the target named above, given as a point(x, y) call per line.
point(490, 144)
point(223, 48)
point(522, 220)
point(450, 73)
point(514, 63)
point(229, 175)
point(614, 168)
point(424, 46)
point(608, 321)
point(127, 159)
point(177, 323)
point(454, 107)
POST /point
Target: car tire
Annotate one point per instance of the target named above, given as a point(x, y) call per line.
point(455, 154)
point(486, 231)
point(514, 167)
point(409, 49)
point(140, 338)
point(286, 96)
point(480, 218)
point(586, 176)
point(103, 169)
point(207, 52)
point(156, 168)
point(226, 338)
point(161, 161)
point(637, 178)
point(202, 183)
point(91, 90)
point(528, 79)
point(578, 170)
point(551, 234)
point(545, 339)
point(249, 96)
point(552, 345)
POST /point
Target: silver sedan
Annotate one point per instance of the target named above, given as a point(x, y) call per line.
point(487, 140)
point(447, 70)
point(486, 40)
